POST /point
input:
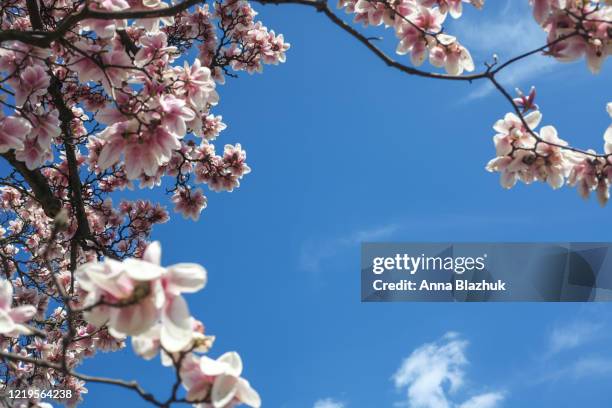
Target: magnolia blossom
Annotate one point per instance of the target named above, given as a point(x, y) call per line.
point(454, 7)
point(608, 134)
point(586, 26)
point(551, 165)
point(196, 85)
point(13, 131)
point(528, 155)
point(218, 378)
point(451, 55)
point(12, 318)
point(134, 295)
point(189, 203)
point(511, 132)
point(33, 81)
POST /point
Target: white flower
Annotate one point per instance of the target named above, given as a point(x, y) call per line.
point(136, 295)
point(11, 318)
point(228, 387)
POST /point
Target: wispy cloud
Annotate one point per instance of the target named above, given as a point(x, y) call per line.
point(314, 253)
point(329, 403)
point(584, 367)
point(489, 400)
point(573, 335)
point(589, 366)
point(511, 32)
point(435, 371)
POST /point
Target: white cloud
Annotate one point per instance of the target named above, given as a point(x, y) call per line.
point(584, 367)
point(591, 366)
point(573, 335)
point(435, 370)
point(489, 400)
point(329, 403)
point(511, 32)
point(314, 253)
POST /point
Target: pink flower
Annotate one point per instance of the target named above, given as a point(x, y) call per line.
point(135, 295)
point(450, 54)
point(12, 318)
point(106, 28)
point(220, 378)
point(455, 7)
point(196, 85)
point(373, 12)
point(13, 132)
point(512, 132)
point(608, 134)
point(552, 165)
point(584, 175)
point(513, 168)
point(153, 46)
point(32, 154)
point(33, 82)
point(152, 24)
point(174, 114)
point(190, 203)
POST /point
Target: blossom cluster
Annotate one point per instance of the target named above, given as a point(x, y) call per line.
point(418, 25)
point(92, 105)
point(577, 28)
point(140, 298)
point(526, 154)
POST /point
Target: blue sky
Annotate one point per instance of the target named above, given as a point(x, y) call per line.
point(345, 150)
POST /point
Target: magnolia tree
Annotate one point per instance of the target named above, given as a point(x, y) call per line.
point(103, 95)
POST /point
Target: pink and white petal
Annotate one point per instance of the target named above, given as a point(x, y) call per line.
point(234, 362)
point(141, 270)
point(608, 135)
point(549, 133)
point(467, 60)
point(110, 154)
point(198, 391)
point(533, 119)
point(134, 320)
point(98, 316)
point(595, 60)
point(186, 278)
point(212, 368)
point(166, 359)
point(22, 314)
point(6, 294)
point(224, 390)
point(247, 395)
point(153, 253)
point(147, 344)
point(176, 329)
point(6, 323)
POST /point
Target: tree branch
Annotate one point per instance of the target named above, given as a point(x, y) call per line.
point(44, 39)
point(51, 205)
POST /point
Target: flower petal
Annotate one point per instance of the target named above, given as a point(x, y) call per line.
point(233, 360)
point(141, 270)
point(224, 390)
point(6, 294)
point(247, 395)
point(176, 325)
point(6, 323)
point(22, 314)
point(153, 253)
point(186, 278)
point(212, 367)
